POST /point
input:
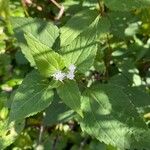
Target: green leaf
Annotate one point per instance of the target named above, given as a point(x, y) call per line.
point(120, 80)
point(47, 61)
point(9, 133)
point(32, 96)
point(120, 21)
point(82, 50)
point(20, 59)
point(77, 24)
point(130, 72)
point(126, 5)
point(57, 112)
point(137, 95)
point(70, 95)
point(139, 98)
point(111, 117)
point(42, 30)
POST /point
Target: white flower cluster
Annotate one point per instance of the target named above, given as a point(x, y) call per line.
point(60, 76)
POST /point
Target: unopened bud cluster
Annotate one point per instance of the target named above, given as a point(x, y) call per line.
point(60, 76)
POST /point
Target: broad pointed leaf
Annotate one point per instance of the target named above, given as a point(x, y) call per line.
point(47, 61)
point(70, 95)
point(57, 112)
point(111, 117)
point(42, 30)
point(32, 96)
point(82, 50)
point(77, 24)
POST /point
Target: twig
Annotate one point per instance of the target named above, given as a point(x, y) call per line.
point(61, 11)
point(39, 143)
point(40, 134)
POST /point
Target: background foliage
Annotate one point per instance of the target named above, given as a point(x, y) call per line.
point(106, 106)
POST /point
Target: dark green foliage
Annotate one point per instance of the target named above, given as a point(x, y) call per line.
point(81, 81)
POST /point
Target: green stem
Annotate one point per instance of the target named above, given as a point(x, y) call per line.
point(108, 57)
point(24, 8)
point(101, 7)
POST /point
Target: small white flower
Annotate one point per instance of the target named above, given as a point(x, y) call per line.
point(72, 68)
point(58, 75)
point(71, 71)
point(70, 75)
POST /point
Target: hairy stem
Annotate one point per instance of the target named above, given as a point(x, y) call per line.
point(101, 7)
point(108, 57)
